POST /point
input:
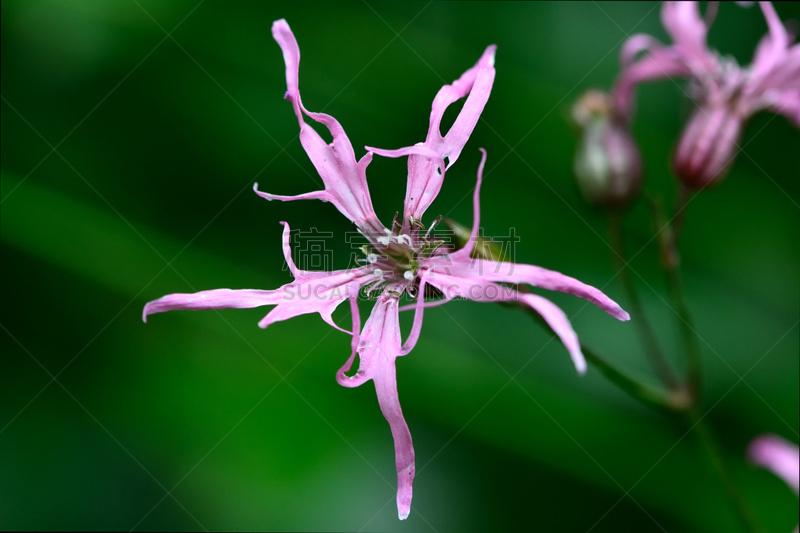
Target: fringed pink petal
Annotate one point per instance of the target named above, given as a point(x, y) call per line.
point(481, 290)
point(345, 180)
point(315, 195)
point(426, 170)
point(468, 287)
point(560, 325)
point(341, 378)
point(418, 149)
point(426, 305)
point(479, 89)
point(466, 251)
point(378, 347)
point(322, 294)
point(779, 37)
point(635, 45)
point(688, 30)
point(416, 327)
point(484, 270)
point(775, 72)
point(386, 390)
point(659, 63)
point(424, 182)
point(213, 299)
point(287, 250)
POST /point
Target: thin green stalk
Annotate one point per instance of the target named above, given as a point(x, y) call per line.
point(670, 260)
point(743, 510)
point(682, 199)
point(671, 400)
point(647, 336)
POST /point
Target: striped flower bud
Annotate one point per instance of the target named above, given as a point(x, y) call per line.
point(707, 146)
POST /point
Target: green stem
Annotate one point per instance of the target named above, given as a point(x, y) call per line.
point(672, 400)
point(743, 510)
point(670, 260)
point(682, 199)
point(645, 331)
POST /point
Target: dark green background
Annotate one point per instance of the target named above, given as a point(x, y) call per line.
point(159, 140)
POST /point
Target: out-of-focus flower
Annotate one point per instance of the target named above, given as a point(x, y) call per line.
point(607, 162)
point(403, 259)
point(725, 94)
point(779, 456)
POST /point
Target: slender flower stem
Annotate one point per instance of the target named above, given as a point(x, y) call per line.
point(668, 240)
point(649, 341)
point(682, 200)
point(671, 400)
point(743, 510)
point(670, 260)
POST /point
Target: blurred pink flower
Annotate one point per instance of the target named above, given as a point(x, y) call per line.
point(403, 259)
point(726, 94)
point(779, 456)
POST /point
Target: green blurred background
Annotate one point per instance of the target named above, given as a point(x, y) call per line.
point(128, 158)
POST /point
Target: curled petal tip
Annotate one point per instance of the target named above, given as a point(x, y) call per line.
point(264, 195)
point(144, 314)
point(623, 315)
point(580, 365)
point(487, 59)
point(403, 514)
point(280, 24)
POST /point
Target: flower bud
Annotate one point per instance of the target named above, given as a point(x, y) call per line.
point(607, 162)
point(707, 146)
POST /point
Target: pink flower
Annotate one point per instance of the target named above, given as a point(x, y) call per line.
point(725, 93)
point(779, 456)
point(403, 259)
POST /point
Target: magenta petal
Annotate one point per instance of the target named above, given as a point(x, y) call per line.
point(386, 389)
point(416, 326)
point(378, 348)
point(315, 195)
point(466, 251)
point(321, 294)
point(483, 270)
point(454, 140)
point(480, 290)
point(287, 250)
point(659, 63)
point(341, 378)
point(688, 30)
point(426, 173)
point(213, 299)
point(779, 456)
point(381, 345)
point(345, 179)
point(417, 149)
point(560, 325)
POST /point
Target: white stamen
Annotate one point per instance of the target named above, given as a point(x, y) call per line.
point(372, 258)
point(385, 240)
point(404, 239)
point(378, 272)
point(408, 275)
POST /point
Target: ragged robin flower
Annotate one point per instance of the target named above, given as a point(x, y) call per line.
point(726, 95)
point(401, 260)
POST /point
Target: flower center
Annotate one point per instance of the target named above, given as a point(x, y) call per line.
point(396, 255)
